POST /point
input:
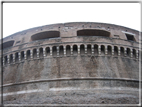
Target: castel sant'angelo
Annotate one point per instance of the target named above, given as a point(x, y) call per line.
point(72, 63)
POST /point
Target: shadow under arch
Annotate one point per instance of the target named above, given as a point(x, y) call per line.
point(28, 54)
point(82, 49)
point(68, 50)
point(95, 49)
point(11, 58)
point(128, 52)
point(41, 52)
point(47, 51)
point(102, 50)
point(54, 51)
point(7, 44)
point(93, 32)
point(75, 50)
point(22, 55)
point(34, 53)
point(134, 53)
point(122, 51)
point(16, 57)
point(45, 35)
point(89, 49)
point(109, 48)
point(61, 50)
point(115, 51)
point(5, 60)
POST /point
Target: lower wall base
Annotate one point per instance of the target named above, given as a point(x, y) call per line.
point(73, 92)
point(22, 85)
point(94, 96)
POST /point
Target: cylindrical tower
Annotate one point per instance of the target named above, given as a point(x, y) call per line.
point(72, 63)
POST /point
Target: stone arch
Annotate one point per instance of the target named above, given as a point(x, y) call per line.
point(93, 32)
point(128, 52)
point(28, 54)
point(115, 51)
point(61, 50)
point(54, 51)
point(75, 50)
point(134, 53)
point(109, 50)
point(11, 58)
point(45, 35)
point(16, 57)
point(122, 51)
point(68, 50)
point(102, 50)
point(5, 60)
point(22, 55)
point(95, 49)
point(138, 53)
point(34, 53)
point(82, 49)
point(7, 44)
point(89, 49)
point(41, 52)
point(47, 51)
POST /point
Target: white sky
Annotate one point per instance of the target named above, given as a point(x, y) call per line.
point(22, 16)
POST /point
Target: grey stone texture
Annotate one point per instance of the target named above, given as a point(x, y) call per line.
point(72, 67)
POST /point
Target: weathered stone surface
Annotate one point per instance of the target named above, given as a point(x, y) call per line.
point(73, 68)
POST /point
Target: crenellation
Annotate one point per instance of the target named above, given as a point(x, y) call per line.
point(115, 50)
point(13, 58)
point(99, 49)
point(25, 55)
point(106, 50)
point(125, 51)
point(137, 54)
point(119, 52)
point(31, 54)
point(112, 51)
point(8, 59)
point(57, 51)
point(44, 52)
point(131, 54)
point(19, 56)
point(50, 51)
point(78, 49)
point(92, 48)
point(64, 50)
point(71, 49)
point(85, 49)
point(37, 50)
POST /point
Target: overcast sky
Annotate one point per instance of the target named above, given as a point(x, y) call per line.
point(22, 16)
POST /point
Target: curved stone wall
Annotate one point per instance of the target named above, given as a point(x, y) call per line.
point(77, 49)
point(94, 67)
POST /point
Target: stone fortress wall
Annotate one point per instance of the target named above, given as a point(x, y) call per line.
point(62, 62)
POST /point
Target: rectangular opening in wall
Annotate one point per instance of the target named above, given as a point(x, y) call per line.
point(130, 37)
